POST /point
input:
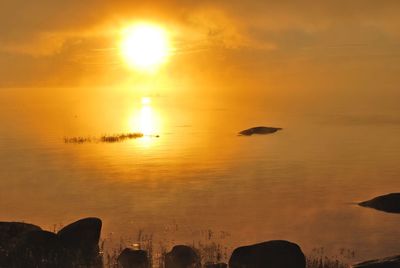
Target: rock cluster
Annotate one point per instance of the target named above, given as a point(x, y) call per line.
point(271, 254)
point(25, 245)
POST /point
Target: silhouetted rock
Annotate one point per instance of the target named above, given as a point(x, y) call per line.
point(271, 254)
point(39, 249)
point(388, 203)
point(82, 238)
point(216, 265)
point(130, 258)
point(259, 130)
point(26, 245)
point(10, 232)
point(182, 257)
point(390, 262)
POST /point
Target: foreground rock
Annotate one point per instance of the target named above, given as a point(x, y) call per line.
point(390, 262)
point(182, 257)
point(82, 238)
point(130, 258)
point(39, 249)
point(271, 254)
point(259, 130)
point(10, 232)
point(388, 203)
point(76, 245)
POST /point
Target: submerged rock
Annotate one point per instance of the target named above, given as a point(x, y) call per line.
point(182, 257)
point(271, 254)
point(388, 203)
point(259, 130)
point(390, 262)
point(130, 258)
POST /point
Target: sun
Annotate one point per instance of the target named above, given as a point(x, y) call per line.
point(144, 46)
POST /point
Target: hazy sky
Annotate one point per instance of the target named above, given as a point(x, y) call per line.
point(292, 48)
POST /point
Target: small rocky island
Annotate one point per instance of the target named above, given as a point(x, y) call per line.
point(259, 130)
point(387, 203)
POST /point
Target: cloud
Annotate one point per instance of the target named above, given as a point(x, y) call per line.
point(70, 38)
point(45, 23)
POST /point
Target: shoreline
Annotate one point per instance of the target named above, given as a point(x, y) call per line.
point(81, 242)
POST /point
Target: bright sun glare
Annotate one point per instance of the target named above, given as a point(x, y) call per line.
point(144, 46)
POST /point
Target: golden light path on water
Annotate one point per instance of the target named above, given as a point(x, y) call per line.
point(145, 120)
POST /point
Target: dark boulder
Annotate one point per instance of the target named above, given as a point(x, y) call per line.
point(39, 249)
point(259, 130)
point(182, 257)
point(130, 258)
point(271, 254)
point(216, 265)
point(82, 238)
point(26, 245)
point(388, 203)
point(10, 232)
point(390, 262)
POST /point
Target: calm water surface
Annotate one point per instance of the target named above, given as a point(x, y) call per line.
point(298, 184)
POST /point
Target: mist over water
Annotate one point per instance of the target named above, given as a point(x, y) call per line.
point(297, 184)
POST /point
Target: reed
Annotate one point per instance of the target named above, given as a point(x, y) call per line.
point(107, 138)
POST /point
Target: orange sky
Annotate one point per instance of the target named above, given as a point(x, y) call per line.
point(283, 49)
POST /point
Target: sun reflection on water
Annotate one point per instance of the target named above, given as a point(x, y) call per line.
point(146, 120)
